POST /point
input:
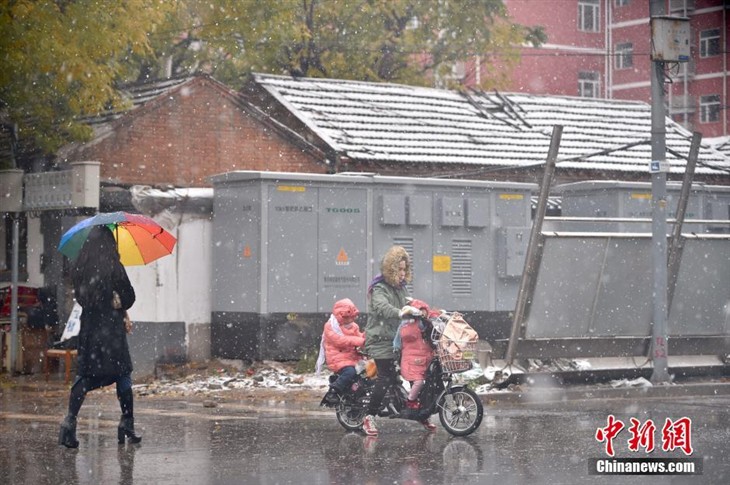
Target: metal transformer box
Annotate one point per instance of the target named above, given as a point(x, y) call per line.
point(289, 245)
point(614, 199)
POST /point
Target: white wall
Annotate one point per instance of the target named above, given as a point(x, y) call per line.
point(176, 288)
point(35, 250)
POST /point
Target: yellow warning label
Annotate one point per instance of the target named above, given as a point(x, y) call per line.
point(291, 188)
point(342, 259)
point(637, 195)
point(441, 263)
point(511, 196)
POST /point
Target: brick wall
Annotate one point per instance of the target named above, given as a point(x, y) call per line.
point(183, 138)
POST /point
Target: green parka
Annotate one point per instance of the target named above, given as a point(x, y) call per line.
point(386, 296)
point(383, 321)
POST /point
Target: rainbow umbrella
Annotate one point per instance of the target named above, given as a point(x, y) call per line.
point(140, 240)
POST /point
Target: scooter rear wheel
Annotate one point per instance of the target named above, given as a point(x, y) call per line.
point(350, 415)
point(460, 411)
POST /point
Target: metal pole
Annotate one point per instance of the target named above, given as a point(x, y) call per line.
point(532, 256)
point(675, 242)
point(659, 214)
point(14, 295)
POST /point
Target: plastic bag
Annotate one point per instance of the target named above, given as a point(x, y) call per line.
point(459, 330)
point(73, 325)
point(457, 336)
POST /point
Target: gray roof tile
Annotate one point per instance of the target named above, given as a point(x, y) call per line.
point(381, 122)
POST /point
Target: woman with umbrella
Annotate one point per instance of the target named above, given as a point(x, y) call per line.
point(103, 290)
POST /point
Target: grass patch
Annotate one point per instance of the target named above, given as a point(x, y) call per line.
point(474, 383)
point(307, 364)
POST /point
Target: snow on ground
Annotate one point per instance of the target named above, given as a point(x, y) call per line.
point(221, 376)
point(216, 377)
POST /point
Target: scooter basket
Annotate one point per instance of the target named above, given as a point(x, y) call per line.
point(456, 356)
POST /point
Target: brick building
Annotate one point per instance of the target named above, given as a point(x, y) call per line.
point(180, 132)
point(601, 48)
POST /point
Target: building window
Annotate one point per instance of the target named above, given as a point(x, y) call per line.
point(624, 55)
point(622, 3)
point(710, 108)
point(710, 43)
point(589, 15)
point(588, 84)
point(681, 6)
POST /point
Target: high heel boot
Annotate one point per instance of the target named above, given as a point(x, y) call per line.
point(67, 435)
point(126, 428)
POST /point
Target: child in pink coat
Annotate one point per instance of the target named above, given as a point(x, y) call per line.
point(416, 352)
point(340, 338)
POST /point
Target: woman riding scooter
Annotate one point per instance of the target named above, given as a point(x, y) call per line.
point(387, 304)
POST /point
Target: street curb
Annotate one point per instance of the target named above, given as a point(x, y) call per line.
point(551, 395)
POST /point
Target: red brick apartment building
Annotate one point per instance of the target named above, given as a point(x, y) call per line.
point(601, 48)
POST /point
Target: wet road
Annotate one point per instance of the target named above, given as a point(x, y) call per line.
point(275, 443)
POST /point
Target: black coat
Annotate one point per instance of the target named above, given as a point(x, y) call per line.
point(103, 348)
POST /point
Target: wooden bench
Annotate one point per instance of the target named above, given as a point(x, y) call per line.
point(67, 355)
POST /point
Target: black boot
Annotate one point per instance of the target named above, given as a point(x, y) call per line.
point(67, 435)
point(331, 399)
point(126, 428)
point(126, 423)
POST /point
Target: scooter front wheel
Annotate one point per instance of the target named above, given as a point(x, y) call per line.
point(460, 411)
point(350, 415)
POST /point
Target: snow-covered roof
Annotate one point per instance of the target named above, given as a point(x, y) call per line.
point(152, 201)
point(380, 122)
point(136, 95)
point(720, 143)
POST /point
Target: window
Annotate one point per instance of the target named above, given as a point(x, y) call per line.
point(709, 108)
point(710, 43)
point(622, 3)
point(589, 15)
point(624, 55)
point(588, 84)
point(681, 6)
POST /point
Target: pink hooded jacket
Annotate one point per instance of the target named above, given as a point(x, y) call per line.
point(340, 347)
point(416, 353)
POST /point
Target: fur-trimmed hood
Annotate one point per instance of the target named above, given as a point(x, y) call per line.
point(389, 265)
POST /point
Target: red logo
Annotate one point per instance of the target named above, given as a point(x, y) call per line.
point(675, 434)
point(608, 433)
